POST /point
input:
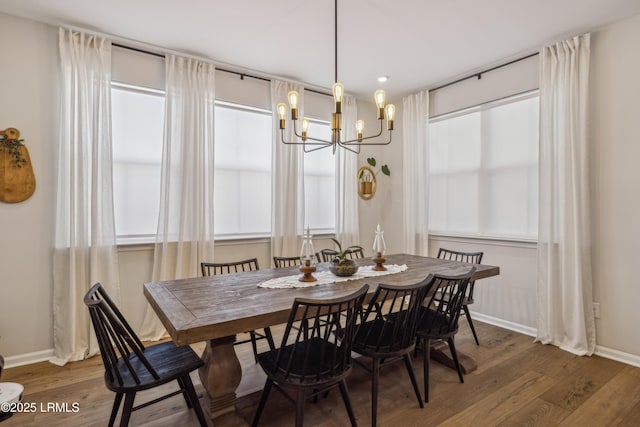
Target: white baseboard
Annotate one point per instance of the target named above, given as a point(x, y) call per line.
point(27, 358)
point(607, 353)
point(620, 356)
point(512, 326)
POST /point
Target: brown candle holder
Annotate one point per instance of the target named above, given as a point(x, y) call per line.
point(379, 261)
point(307, 269)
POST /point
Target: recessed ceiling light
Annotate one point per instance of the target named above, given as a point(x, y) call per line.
point(383, 79)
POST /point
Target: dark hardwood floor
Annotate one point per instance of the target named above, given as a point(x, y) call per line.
point(518, 382)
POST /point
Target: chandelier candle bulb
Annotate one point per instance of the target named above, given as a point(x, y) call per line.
point(305, 128)
point(293, 104)
point(282, 112)
point(390, 110)
point(380, 98)
point(338, 93)
point(359, 129)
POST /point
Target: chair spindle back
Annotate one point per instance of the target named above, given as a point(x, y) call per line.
point(116, 338)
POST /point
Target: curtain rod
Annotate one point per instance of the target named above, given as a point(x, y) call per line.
point(480, 73)
point(238, 73)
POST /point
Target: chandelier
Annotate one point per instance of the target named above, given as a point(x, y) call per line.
point(310, 143)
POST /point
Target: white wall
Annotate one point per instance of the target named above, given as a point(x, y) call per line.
point(29, 102)
point(614, 154)
point(385, 208)
point(508, 299)
point(28, 83)
point(614, 139)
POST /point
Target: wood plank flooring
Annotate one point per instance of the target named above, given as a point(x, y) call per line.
point(518, 383)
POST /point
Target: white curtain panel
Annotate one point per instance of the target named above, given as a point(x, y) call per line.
point(347, 225)
point(185, 224)
point(564, 292)
point(287, 177)
point(85, 242)
point(415, 143)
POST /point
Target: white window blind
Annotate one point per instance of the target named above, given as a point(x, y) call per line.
point(484, 170)
point(137, 127)
point(242, 180)
point(319, 182)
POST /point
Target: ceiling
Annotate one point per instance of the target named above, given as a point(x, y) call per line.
point(418, 43)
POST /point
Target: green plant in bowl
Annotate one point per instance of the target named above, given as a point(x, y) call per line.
point(340, 265)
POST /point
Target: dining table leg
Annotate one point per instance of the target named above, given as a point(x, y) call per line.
point(220, 375)
point(440, 353)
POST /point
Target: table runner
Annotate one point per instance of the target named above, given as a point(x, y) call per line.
point(326, 277)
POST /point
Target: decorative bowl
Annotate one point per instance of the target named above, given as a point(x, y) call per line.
point(343, 268)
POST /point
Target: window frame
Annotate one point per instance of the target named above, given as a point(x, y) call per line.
point(138, 239)
point(248, 235)
point(483, 173)
point(322, 231)
point(134, 239)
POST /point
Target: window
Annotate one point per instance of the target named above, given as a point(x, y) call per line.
point(137, 127)
point(242, 168)
point(319, 182)
point(484, 170)
point(242, 180)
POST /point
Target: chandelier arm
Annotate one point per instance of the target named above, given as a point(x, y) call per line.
point(350, 149)
point(318, 141)
point(356, 141)
point(284, 141)
point(345, 144)
point(321, 145)
point(314, 149)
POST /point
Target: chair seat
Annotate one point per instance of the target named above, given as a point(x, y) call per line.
point(131, 367)
point(312, 359)
point(315, 350)
point(387, 339)
point(438, 318)
point(434, 325)
point(471, 258)
point(169, 361)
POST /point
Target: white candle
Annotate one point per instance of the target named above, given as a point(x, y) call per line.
point(378, 240)
point(307, 253)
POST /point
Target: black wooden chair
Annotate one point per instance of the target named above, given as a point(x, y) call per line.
point(329, 254)
point(315, 356)
point(217, 268)
point(131, 367)
point(438, 318)
point(290, 261)
point(387, 332)
point(472, 258)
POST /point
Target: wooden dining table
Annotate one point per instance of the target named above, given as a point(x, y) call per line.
point(216, 308)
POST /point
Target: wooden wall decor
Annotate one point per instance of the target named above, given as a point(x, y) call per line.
point(17, 181)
